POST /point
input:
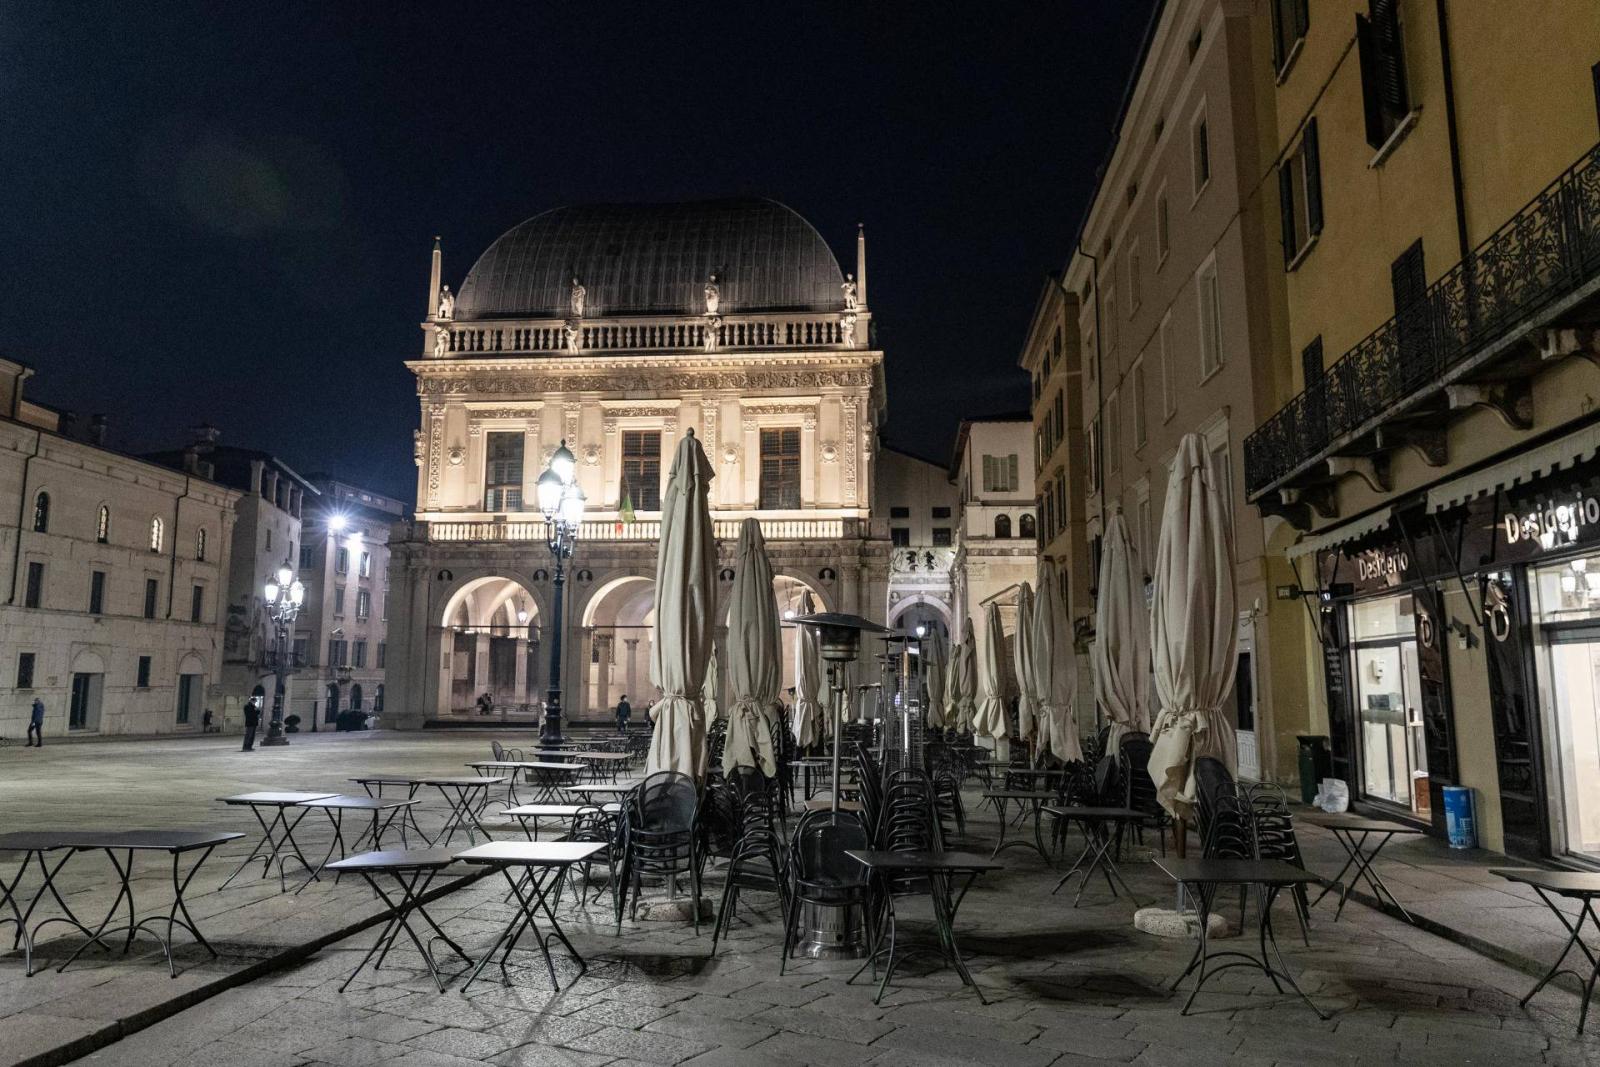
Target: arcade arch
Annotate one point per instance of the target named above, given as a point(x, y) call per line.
point(489, 638)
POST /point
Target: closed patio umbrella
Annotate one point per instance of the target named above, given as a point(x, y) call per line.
point(808, 680)
point(964, 682)
point(1193, 629)
point(1022, 661)
point(933, 666)
point(1121, 654)
point(708, 689)
point(990, 720)
point(952, 688)
point(685, 614)
point(1055, 673)
point(755, 656)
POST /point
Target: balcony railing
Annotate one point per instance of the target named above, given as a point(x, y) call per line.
point(1546, 251)
point(810, 330)
point(645, 530)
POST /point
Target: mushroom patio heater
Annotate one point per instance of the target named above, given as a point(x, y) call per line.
point(838, 642)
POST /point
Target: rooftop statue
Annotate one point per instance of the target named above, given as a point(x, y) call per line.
point(447, 303)
point(851, 300)
point(713, 294)
point(579, 294)
point(441, 341)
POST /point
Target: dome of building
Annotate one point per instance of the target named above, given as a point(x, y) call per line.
point(654, 259)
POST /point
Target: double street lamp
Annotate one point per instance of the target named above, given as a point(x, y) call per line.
point(561, 502)
point(283, 594)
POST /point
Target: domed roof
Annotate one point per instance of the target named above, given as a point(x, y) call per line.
point(654, 259)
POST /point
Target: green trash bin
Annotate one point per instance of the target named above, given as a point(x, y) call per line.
point(1316, 763)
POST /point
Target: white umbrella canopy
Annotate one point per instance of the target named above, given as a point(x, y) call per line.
point(808, 680)
point(964, 681)
point(755, 656)
point(952, 687)
point(933, 668)
point(990, 720)
point(1022, 654)
point(1193, 629)
point(1055, 669)
point(708, 688)
point(1121, 655)
point(685, 614)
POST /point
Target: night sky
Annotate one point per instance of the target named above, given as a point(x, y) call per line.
point(228, 219)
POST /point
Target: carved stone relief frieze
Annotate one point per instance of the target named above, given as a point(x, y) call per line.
point(642, 381)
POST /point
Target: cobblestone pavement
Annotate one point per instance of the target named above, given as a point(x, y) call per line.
point(1066, 986)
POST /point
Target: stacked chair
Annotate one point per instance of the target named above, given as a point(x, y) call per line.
point(661, 836)
point(819, 871)
point(756, 860)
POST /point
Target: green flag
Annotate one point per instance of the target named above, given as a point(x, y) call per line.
point(626, 511)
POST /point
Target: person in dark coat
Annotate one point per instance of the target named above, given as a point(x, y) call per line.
point(252, 720)
point(36, 724)
point(624, 713)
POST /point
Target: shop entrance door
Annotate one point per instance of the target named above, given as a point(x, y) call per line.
point(1574, 667)
point(1394, 758)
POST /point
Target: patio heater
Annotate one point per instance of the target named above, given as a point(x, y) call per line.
point(834, 932)
point(838, 642)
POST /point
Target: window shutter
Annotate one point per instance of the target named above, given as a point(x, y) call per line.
point(1312, 155)
point(1392, 70)
point(1371, 61)
point(1011, 474)
point(1277, 34)
point(1302, 17)
point(1286, 208)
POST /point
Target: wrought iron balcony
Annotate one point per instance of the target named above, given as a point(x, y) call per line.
point(819, 529)
point(1518, 279)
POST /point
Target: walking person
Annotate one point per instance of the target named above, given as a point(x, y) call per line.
point(36, 725)
point(252, 719)
point(624, 713)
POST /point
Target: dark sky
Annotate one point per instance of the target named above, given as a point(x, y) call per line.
point(227, 217)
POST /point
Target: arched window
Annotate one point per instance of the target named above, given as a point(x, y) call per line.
point(1025, 526)
point(41, 513)
point(102, 525)
point(355, 697)
point(1002, 525)
point(156, 532)
point(377, 699)
point(200, 544)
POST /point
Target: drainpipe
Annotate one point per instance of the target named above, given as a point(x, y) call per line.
point(1446, 70)
point(22, 508)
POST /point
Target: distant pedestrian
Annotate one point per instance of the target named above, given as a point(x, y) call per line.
point(36, 725)
point(485, 704)
point(205, 722)
point(252, 719)
point(624, 713)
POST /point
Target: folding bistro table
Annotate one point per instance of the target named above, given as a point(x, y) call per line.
point(541, 867)
point(466, 797)
point(277, 834)
point(939, 870)
point(545, 777)
point(335, 807)
point(1201, 878)
point(1102, 828)
point(176, 843)
point(374, 785)
point(34, 844)
point(1035, 798)
point(566, 813)
point(1353, 832)
point(412, 871)
point(1582, 887)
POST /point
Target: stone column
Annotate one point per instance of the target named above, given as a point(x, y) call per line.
point(611, 466)
point(522, 671)
point(532, 465)
point(669, 447)
point(631, 674)
point(809, 493)
point(476, 473)
point(750, 465)
point(480, 670)
point(602, 683)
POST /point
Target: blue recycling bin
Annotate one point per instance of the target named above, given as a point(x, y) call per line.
point(1459, 823)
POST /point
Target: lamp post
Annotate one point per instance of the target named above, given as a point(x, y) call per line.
point(284, 595)
point(562, 502)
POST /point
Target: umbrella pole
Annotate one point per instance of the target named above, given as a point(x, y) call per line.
point(838, 728)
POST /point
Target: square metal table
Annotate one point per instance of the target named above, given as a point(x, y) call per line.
point(467, 798)
point(544, 776)
point(176, 843)
point(412, 871)
point(1201, 878)
point(335, 807)
point(567, 813)
point(1102, 828)
point(1353, 833)
point(277, 834)
point(34, 845)
point(1581, 886)
point(542, 867)
point(374, 785)
point(1036, 798)
point(939, 870)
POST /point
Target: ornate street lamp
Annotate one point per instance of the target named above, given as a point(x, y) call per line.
point(562, 503)
point(284, 595)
